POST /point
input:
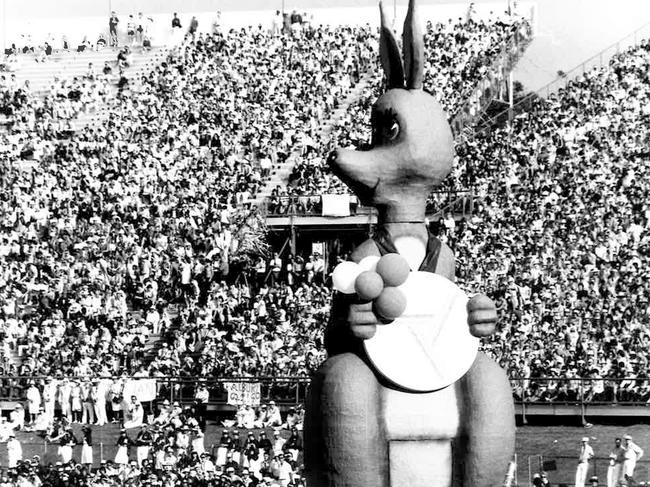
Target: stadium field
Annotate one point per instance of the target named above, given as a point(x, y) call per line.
point(562, 445)
point(559, 444)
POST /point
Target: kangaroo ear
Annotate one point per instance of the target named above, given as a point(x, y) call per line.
point(413, 45)
point(389, 53)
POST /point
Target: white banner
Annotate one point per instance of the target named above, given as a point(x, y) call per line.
point(143, 389)
point(317, 248)
point(247, 393)
point(336, 204)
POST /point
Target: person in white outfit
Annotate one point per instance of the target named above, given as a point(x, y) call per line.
point(134, 414)
point(123, 444)
point(17, 418)
point(116, 400)
point(273, 416)
point(87, 446)
point(143, 443)
point(14, 451)
point(33, 401)
point(586, 454)
point(41, 423)
point(49, 398)
point(76, 405)
point(633, 454)
point(68, 441)
point(63, 397)
point(98, 393)
point(616, 459)
point(198, 444)
point(88, 415)
point(278, 443)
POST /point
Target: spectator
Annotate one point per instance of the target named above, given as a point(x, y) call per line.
point(123, 444)
point(143, 443)
point(14, 451)
point(113, 22)
point(130, 30)
point(134, 416)
point(33, 401)
point(633, 454)
point(87, 446)
point(140, 28)
point(176, 26)
point(616, 461)
point(66, 442)
point(194, 25)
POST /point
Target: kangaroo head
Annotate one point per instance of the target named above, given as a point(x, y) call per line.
point(412, 146)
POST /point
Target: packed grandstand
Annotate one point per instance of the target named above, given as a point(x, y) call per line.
point(132, 248)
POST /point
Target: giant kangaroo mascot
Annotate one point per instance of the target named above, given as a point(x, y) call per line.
point(363, 428)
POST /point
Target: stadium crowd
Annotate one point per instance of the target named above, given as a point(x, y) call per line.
point(140, 217)
point(561, 238)
point(103, 229)
point(169, 450)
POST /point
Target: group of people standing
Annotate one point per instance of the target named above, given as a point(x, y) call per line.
point(622, 462)
point(81, 401)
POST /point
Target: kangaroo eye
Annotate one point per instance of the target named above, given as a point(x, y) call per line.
point(392, 131)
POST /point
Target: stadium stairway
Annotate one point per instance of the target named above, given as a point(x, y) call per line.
point(155, 341)
point(14, 358)
point(140, 67)
point(68, 65)
point(280, 172)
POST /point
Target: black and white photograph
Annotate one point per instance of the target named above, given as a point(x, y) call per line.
point(310, 243)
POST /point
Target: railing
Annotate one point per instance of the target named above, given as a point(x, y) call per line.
point(598, 60)
point(486, 89)
point(285, 390)
point(289, 390)
point(579, 393)
point(459, 203)
point(439, 201)
point(306, 205)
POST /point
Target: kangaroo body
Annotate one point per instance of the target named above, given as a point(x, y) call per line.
point(360, 429)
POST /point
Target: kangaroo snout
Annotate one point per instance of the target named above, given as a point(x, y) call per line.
point(354, 168)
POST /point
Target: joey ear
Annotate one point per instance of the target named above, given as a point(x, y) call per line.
point(413, 46)
point(389, 53)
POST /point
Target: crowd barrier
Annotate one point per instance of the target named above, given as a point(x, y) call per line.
point(285, 391)
point(440, 202)
point(291, 390)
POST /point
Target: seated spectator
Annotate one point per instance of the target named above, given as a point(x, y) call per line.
point(17, 418)
point(85, 45)
point(101, 42)
point(273, 418)
point(134, 414)
point(40, 424)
